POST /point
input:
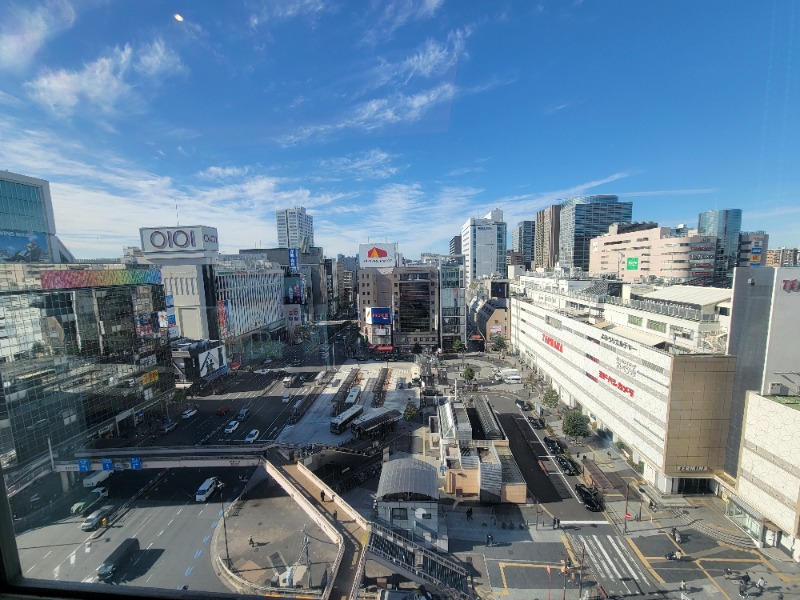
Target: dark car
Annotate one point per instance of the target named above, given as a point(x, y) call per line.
point(223, 410)
point(566, 465)
point(590, 496)
point(553, 445)
point(536, 423)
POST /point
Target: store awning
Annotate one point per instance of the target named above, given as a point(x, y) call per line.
point(475, 336)
point(384, 348)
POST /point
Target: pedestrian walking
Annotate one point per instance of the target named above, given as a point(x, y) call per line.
point(746, 579)
point(322, 495)
point(683, 585)
point(250, 541)
point(761, 584)
point(743, 591)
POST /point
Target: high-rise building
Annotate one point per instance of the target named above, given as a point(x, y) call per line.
point(452, 302)
point(295, 228)
point(455, 244)
point(545, 237)
point(399, 306)
point(725, 225)
point(583, 218)
point(522, 241)
point(753, 248)
point(84, 351)
point(27, 224)
point(783, 257)
point(483, 243)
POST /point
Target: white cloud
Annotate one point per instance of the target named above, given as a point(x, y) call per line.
point(100, 83)
point(379, 113)
point(24, 32)
point(10, 100)
point(373, 164)
point(286, 9)
point(222, 172)
point(465, 171)
point(688, 192)
point(398, 13)
point(104, 84)
point(156, 58)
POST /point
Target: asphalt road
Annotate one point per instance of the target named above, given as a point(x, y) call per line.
point(173, 530)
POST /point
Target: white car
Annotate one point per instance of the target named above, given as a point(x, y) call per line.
point(252, 436)
point(188, 413)
point(232, 426)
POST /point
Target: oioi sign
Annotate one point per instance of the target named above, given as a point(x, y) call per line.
point(179, 239)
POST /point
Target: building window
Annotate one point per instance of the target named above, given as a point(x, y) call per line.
point(657, 325)
point(426, 515)
point(634, 320)
point(399, 514)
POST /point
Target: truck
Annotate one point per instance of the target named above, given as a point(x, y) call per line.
point(83, 506)
point(96, 477)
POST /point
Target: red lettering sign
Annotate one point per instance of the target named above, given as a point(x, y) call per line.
point(552, 342)
point(617, 384)
point(791, 285)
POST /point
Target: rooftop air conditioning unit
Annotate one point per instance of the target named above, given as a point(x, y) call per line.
point(778, 389)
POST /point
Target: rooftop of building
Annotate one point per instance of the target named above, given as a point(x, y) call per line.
point(690, 295)
point(787, 401)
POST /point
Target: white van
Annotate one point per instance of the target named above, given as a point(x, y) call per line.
point(209, 486)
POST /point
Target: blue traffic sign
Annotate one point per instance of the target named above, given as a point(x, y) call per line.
point(108, 464)
point(84, 466)
point(136, 463)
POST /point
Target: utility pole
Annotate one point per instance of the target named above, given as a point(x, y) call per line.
point(224, 529)
point(580, 574)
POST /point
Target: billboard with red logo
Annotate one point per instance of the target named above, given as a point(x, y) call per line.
point(379, 316)
point(377, 255)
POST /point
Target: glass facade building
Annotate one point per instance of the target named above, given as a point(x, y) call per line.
point(83, 353)
point(583, 218)
point(295, 228)
point(27, 225)
point(522, 241)
point(725, 225)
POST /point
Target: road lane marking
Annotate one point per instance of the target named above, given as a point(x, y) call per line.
point(49, 552)
point(72, 558)
point(188, 571)
point(160, 532)
point(205, 539)
point(198, 554)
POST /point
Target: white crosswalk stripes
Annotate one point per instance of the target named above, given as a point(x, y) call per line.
point(611, 560)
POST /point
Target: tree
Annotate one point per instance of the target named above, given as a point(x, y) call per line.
point(417, 349)
point(460, 348)
point(410, 412)
point(575, 424)
point(469, 374)
point(499, 344)
point(550, 398)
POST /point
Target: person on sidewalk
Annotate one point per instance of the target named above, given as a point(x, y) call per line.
point(683, 585)
point(761, 584)
point(746, 579)
point(322, 495)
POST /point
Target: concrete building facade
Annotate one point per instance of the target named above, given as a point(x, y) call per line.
point(295, 228)
point(546, 236)
point(753, 248)
point(651, 255)
point(665, 397)
point(782, 257)
point(483, 243)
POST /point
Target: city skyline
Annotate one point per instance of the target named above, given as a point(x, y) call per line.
point(399, 114)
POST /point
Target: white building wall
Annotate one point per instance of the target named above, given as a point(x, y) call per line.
point(769, 470)
point(185, 283)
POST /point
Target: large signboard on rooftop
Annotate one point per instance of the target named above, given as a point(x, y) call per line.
point(377, 255)
point(196, 238)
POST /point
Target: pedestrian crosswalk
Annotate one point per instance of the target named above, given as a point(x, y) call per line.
point(612, 563)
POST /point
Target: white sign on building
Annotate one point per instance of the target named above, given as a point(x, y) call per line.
point(377, 255)
point(195, 238)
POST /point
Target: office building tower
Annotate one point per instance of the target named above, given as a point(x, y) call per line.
point(452, 302)
point(84, 352)
point(545, 237)
point(753, 248)
point(27, 224)
point(584, 218)
point(725, 225)
point(295, 228)
point(399, 306)
point(455, 244)
point(522, 241)
point(483, 243)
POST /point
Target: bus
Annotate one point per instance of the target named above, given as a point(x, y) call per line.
point(353, 396)
point(289, 380)
point(340, 423)
point(320, 376)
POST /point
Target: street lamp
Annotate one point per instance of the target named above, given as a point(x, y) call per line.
point(224, 527)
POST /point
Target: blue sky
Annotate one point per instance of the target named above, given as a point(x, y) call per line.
point(397, 120)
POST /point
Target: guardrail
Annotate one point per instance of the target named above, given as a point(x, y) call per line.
point(323, 523)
